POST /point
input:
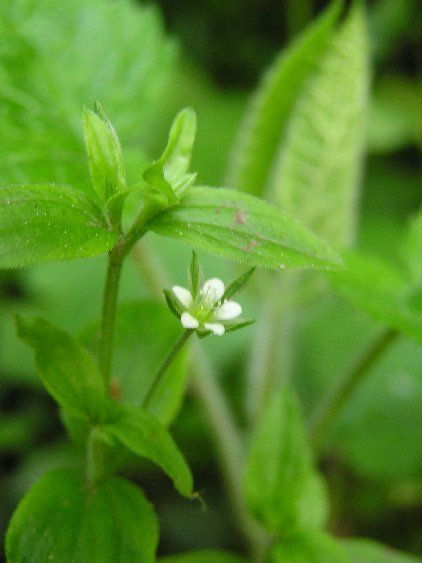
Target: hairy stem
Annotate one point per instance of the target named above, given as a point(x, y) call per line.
point(184, 337)
point(335, 400)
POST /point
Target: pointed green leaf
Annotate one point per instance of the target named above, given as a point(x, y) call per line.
point(245, 228)
point(270, 107)
point(168, 175)
point(282, 489)
point(141, 433)
point(58, 521)
point(66, 368)
point(177, 155)
point(317, 176)
point(48, 223)
point(105, 157)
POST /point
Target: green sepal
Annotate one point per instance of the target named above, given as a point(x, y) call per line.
point(104, 151)
point(195, 275)
point(232, 326)
point(238, 284)
point(173, 303)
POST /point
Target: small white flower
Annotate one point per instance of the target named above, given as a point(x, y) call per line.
point(188, 321)
point(183, 295)
point(206, 310)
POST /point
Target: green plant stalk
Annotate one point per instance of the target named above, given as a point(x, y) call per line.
point(116, 257)
point(335, 400)
point(115, 262)
point(178, 345)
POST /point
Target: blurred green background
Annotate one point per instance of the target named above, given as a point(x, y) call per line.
point(146, 62)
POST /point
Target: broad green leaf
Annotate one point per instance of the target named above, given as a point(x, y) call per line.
point(282, 489)
point(48, 223)
point(142, 433)
point(382, 292)
point(206, 556)
point(369, 551)
point(105, 157)
point(245, 228)
point(56, 58)
point(315, 547)
point(58, 521)
point(317, 176)
point(169, 173)
point(66, 369)
point(145, 333)
point(265, 121)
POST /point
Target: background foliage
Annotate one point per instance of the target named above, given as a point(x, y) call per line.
point(145, 65)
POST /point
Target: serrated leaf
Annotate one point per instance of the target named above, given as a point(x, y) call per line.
point(266, 118)
point(309, 547)
point(56, 58)
point(105, 156)
point(317, 176)
point(382, 292)
point(245, 228)
point(142, 434)
point(49, 223)
point(66, 368)
point(281, 487)
point(58, 521)
point(370, 551)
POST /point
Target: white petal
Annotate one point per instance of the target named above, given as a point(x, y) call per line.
point(216, 328)
point(227, 311)
point(213, 290)
point(183, 295)
point(188, 321)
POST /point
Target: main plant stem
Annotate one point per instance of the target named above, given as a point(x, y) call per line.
point(116, 257)
point(115, 261)
point(338, 397)
point(184, 337)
